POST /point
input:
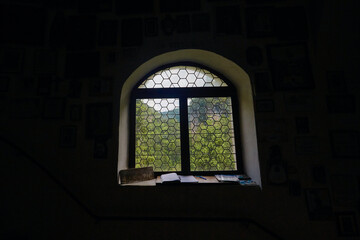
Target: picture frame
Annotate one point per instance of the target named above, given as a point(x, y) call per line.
point(54, 108)
point(318, 204)
point(306, 145)
point(4, 83)
point(319, 174)
point(262, 82)
point(151, 27)
point(68, 136)
point(299, 102)
point(75, 112)
point(259, 22)
point(100, 148)
point(200, 22)
point(254, 56)
point(25, 108)
point(344, 190)
point(101, 87)
point(99, 120)
point(336, 81)
point(302, 125)
point(341, 103)
point(11, 60)
point(345, 144)
point(347, 224)
point(108, 30)
point(44, 85)
point(228, 20)
point(45, 61)
point(272, 130)
point(183, 24)
point(132, 32)
point(290, 67)
point(265, 105)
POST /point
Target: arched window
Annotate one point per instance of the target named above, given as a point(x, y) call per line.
point(230, 73)
point(184, 118)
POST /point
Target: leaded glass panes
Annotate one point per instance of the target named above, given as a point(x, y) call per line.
point(211, 134)
point(182, 77)
point(157, 136)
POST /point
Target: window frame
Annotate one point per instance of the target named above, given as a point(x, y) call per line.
point(183, 94)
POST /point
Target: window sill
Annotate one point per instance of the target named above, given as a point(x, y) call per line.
point(210, 180)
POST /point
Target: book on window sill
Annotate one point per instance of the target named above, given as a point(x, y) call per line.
point(172, 178)
point(227, 178)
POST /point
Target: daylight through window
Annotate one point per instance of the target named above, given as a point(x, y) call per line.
point(183, 120)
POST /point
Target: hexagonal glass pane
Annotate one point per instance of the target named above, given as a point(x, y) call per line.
point(190, 77)
point(211, 134)
point(157, 136)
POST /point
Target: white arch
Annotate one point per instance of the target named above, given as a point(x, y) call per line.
point(227, 68)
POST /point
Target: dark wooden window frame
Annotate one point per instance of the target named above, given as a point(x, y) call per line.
point(183, 94)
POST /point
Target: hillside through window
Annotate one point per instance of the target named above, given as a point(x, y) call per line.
point(184, 120)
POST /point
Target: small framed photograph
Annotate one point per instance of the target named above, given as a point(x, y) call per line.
point(131, 32)
point(299, 102)
point(11, 60)
point(347, 224)
point(44, 85)
point(183, 24)
point(290, 67)
point(344, 190)
point(151, 26)
point(306, 145)
point(259, 22)
point(54, 108)
point(302, 125)
point(228, 20)
point(265, 105)
point(4, 83)
point(75, 112)
point(200, 22)
point(341, 104)
point(68, 136)
point(108, 30)
point(318, 204)
point(262, 82)
point(318, 174)
point(25, 108)
point(345, 144)
point(100, 148)
point(254, 56)
point(101, 87)
point(98, 120)
point(46, 61)
point(75, 88)
point(336, 82)
point(294, 188)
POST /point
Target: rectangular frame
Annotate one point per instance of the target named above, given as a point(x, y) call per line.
point(68, 136)
point(318, 204)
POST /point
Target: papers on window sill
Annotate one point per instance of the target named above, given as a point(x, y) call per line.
point(174, 178)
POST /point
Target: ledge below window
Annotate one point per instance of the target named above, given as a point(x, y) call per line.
point(202, 181)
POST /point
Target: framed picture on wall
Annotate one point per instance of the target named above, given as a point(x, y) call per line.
point(341, 104)
point(54, 108)
point(4, 83)
point(68, 136)
point(347, 224)
point(98, 120)
point(75, 112)
point(336, 81)
point(345, 143)
point(319, 204)
point(260, 22)
point(290, 67)
point(265, 105)
point(262, 82)
point(11, 60)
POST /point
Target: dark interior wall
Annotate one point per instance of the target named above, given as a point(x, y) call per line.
point(63, 63)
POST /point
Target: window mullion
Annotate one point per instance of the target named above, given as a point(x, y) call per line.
point(184, 136)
